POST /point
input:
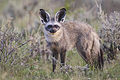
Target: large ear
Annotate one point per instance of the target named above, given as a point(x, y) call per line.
point(60, 15)
point(45, 17)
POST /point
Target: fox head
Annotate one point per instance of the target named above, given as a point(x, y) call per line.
point(52, 25)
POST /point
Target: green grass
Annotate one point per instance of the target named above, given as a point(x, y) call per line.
point(2, 4)
point(38, 69)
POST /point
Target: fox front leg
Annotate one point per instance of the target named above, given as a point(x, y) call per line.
point(62, 58)
point(55, 58)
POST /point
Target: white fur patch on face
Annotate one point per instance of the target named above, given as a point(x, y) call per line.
point(53, 37)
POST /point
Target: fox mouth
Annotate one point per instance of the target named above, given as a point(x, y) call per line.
point(53, 31)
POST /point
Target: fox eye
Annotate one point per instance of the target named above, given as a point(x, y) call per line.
point(49, 26)
point(56, 26)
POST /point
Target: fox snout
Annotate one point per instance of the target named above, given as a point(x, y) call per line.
point(52, 28)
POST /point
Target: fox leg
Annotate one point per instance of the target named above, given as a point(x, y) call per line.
point(55, 58)
point(62, 57)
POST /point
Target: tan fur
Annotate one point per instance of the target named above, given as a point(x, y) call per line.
point(81, 36)
point(62, 36)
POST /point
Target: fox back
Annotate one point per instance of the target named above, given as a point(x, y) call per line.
point(63, 36)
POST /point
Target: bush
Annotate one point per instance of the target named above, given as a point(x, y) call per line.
point(110, 33)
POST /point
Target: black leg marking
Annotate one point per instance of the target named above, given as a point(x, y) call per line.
point(55, 57)
point(62, 57)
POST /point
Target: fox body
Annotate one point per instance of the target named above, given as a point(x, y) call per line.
point(63, 36)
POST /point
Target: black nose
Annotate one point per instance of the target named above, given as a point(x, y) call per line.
point(52, 31)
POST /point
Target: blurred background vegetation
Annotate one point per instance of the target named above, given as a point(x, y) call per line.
point(23, 51)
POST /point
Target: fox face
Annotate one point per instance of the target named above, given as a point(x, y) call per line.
point(52, 26)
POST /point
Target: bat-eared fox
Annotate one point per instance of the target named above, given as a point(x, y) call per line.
point(62, 36)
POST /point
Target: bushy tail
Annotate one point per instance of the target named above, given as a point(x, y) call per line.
point(100, 59)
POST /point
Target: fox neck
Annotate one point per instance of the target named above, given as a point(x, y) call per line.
point(53, 37)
